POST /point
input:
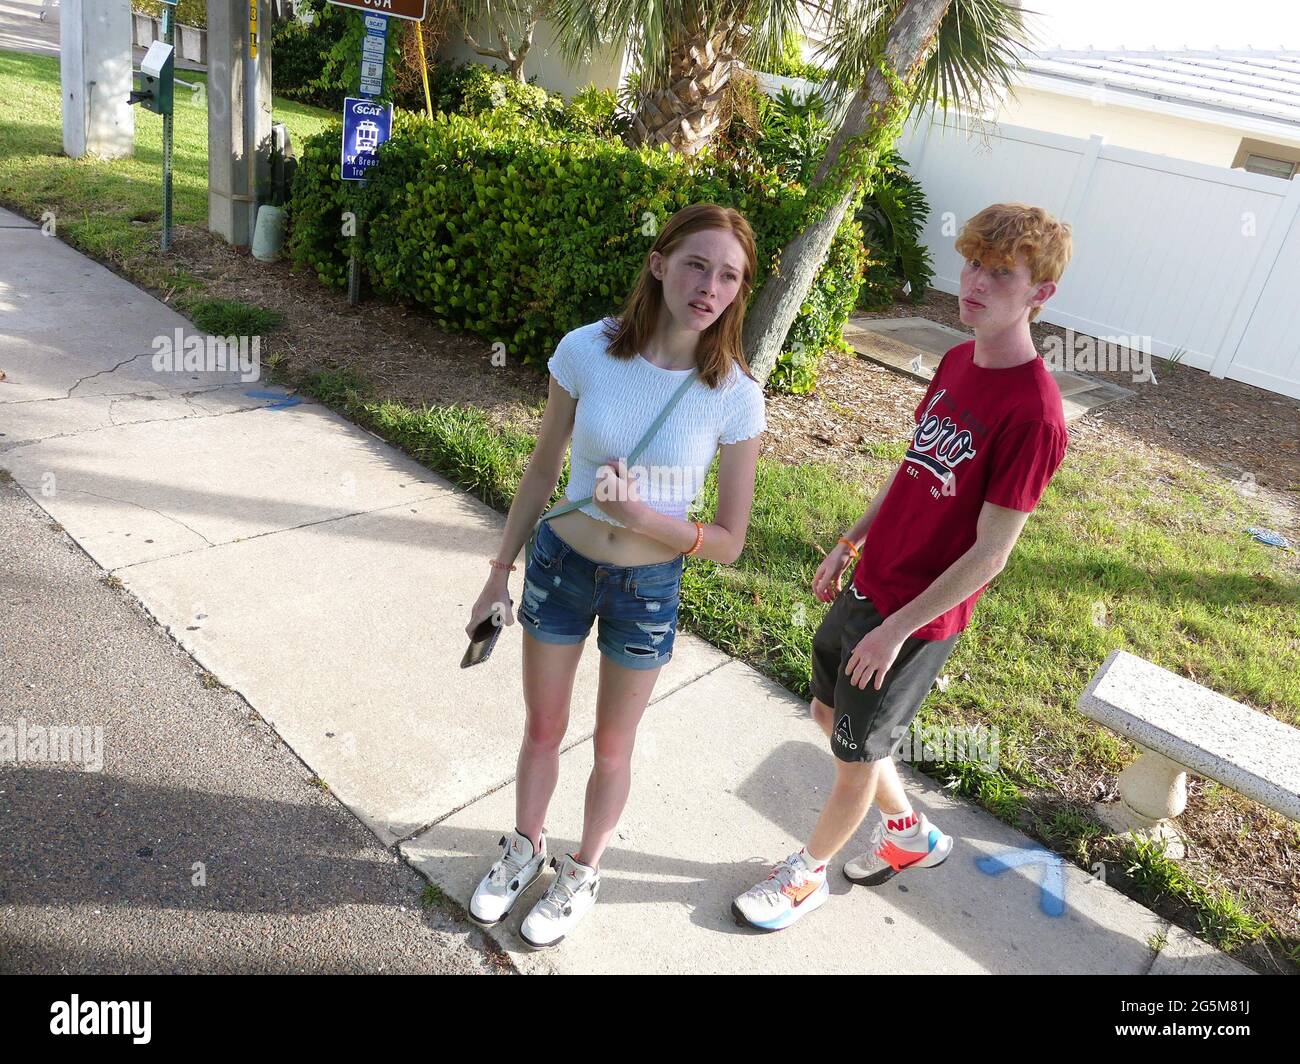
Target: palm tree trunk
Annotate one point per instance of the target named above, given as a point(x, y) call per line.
point(683, 108)
point(768, 321)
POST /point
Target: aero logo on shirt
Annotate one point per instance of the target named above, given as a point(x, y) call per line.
point(938, 446)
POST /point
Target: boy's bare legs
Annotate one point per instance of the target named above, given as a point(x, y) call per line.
point(857, 784)
point(797, 886)
point(890, 796)
point(850, 798)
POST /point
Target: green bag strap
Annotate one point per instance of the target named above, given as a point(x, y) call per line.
point(636, 451)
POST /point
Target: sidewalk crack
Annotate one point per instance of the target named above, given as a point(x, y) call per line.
point(12, 445)
point(100, 373)
point(687, 683)
point(129, 502)
point(276, 532)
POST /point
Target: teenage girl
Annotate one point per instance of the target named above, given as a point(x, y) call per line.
point(618, 560)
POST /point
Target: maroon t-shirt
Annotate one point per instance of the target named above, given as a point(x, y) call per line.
point(982, 435)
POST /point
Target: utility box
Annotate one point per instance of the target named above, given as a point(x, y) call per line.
point(157, 82)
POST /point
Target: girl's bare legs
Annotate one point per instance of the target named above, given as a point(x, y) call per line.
point(621, 700)
point(549, 669)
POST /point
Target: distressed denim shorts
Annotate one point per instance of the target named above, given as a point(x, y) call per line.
point(564, 591)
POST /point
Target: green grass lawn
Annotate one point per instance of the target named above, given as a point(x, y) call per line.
point(98, 204)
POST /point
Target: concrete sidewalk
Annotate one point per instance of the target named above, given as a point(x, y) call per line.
point(326, 578)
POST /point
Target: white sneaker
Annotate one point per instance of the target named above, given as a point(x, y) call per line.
point(891, 853)
point(514, 872)
point(789, 893)
point(567, 900)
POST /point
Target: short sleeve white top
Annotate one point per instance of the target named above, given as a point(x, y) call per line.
point(617, 401)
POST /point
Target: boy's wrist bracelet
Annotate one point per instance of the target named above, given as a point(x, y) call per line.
point(849, 543)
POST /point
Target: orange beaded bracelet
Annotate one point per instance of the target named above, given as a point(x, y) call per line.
point(699, 537)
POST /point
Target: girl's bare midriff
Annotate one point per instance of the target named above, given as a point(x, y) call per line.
point(612, 544)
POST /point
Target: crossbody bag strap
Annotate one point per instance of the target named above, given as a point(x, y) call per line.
point(636, 451)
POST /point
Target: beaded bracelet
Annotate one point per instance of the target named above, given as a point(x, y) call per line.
point(699, 537)
point(501, 565)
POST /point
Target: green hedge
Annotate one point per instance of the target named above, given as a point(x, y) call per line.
point(519, 234)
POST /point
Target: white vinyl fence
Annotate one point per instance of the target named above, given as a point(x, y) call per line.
point(1201, 259)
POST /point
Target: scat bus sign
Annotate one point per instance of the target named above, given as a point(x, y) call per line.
point(366, 125)
point(409, 9)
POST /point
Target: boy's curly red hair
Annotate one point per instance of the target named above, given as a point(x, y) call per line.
point(1000, 231)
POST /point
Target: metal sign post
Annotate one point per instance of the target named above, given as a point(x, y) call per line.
point(156, 93)
point(367, 124)
point(169, 39)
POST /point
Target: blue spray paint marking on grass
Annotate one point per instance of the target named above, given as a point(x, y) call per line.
point(284, 400)
point(1051, 896)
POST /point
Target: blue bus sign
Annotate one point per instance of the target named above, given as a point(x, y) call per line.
point(366, 125)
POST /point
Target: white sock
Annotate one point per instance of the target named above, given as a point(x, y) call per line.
point(816, 868)
point(904, 824)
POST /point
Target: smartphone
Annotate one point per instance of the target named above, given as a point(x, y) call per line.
point(485, 638)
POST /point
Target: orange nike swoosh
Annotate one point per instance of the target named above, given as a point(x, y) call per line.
point(799, 894)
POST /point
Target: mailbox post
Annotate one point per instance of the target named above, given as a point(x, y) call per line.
point(156, 93)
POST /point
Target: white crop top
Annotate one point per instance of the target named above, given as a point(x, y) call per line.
point(617, 401)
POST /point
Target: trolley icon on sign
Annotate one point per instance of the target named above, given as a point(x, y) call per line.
point(367, 141)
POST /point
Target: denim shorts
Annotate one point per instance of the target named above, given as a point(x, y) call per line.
point(564, 591)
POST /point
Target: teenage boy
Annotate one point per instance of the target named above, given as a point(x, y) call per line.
point(990, 432)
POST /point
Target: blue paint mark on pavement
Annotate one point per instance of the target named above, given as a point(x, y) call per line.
point(283, 400)
point(1051, 898)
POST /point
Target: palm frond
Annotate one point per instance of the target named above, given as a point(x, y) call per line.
point(976, 57)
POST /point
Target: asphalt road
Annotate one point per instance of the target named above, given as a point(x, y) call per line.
point(187, 837)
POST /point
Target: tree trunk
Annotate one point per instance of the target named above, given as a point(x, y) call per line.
point(683, 109)
point(768, 320)
point(511, 55)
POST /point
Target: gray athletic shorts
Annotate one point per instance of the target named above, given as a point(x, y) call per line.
point(868, 724)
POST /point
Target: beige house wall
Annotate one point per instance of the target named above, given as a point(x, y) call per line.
point(1129, 127)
